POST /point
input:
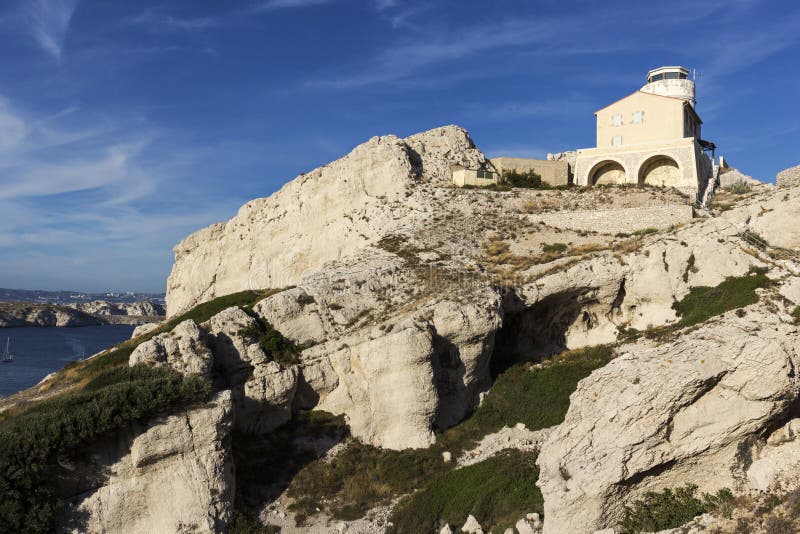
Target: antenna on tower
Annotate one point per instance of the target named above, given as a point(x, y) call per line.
point(696, 75)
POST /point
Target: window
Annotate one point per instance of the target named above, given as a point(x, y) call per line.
point(656, 78)
point(616, 120)
point(638, 117)
point(485, 175)
point(671, 76)
point(616, 140)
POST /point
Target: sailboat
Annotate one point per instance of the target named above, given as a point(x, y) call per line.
point(7, 356)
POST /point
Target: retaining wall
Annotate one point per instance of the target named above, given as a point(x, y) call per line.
point(622, 220)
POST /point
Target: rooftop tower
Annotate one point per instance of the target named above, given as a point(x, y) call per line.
point(670, 81)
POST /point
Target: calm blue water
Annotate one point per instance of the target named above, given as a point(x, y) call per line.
point(38, 351)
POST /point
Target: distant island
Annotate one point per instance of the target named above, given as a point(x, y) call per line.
point(69, 309)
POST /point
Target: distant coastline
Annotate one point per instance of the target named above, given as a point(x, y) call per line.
point(95, 313)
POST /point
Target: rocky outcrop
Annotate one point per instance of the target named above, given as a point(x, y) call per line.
point(183, 349)
point(176, 475)
point(664, 416)
point(326, 214)
point(27, 314)
point(263, 390)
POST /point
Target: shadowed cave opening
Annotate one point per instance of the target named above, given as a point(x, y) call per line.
point(531, 333)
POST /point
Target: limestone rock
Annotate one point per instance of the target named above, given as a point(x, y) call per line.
point(471, 526)
point(176, 476)
point(780, 456)
point(183, 349)
point(441, 148)
point(268, 397)
point(665, 416)
point(143, 329)
point(385, 386)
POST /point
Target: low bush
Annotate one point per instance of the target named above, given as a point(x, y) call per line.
point(554, 248)
point(360, 477)
point(271, 341)
point(704, 302)
point(646, 231)
point(525, 179)
point(497, 491)
point(796, 315)
point(669, 509)
point(32, 444)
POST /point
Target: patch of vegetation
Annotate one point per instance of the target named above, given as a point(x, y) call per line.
point(554, 248)
point(280, 349)
point(796, 315)
point(754, 239)
point(497, 491)
point(525, 179)
point(32, 444)
point(669, 509)
point(247, 522)
point(539, 398)
point(645, 231)
point(738, 188)
point(704, 302)
point(360, 477)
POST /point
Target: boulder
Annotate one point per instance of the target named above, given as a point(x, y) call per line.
point(184, 349)
point(175, 476)
point(471, 526)
point(143, 329)
point(665, 416)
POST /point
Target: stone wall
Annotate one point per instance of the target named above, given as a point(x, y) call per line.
point(789, 177)
point(624, 220)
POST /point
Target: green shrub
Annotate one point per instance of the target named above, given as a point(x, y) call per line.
point(501, 187)
point(271, 341)
point(646, 231)
point(497, 491)
point(32, 444)
point(704, 302)
point(539, 398)
point(669, 509)
point(554, 248)
point(360, 477)
point(526, 179)
point(796, 315)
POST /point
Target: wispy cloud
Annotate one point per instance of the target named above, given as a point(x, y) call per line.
point(49, 21)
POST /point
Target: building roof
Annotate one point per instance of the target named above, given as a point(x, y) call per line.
point(686, 102)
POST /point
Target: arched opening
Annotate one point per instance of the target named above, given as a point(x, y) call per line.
point(661, 171)
point(607, 172)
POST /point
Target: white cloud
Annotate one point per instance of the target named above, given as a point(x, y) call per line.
point(49, 21)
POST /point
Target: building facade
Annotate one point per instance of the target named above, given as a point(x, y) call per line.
point(552, 172)
point(651, 137)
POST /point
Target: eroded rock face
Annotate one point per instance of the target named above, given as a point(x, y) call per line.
point(184, 349)
point(664, 416)
point(317, 217)
point(175, 476)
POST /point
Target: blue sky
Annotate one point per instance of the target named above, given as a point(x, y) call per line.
point(125, 126)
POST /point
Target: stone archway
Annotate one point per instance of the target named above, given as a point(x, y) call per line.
point(661, 171)
point(607, 172)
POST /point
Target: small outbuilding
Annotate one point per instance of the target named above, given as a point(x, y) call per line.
point(476, 177)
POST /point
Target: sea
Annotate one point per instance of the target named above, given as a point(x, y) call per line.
point(39, 351)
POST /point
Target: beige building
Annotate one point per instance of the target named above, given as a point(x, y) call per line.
point(552, 172)
point(476, 177)
point(651, 136)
